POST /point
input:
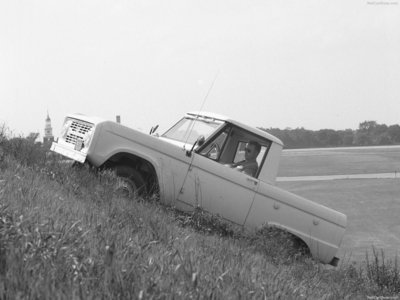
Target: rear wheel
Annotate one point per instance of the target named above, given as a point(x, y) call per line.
point(130, 182)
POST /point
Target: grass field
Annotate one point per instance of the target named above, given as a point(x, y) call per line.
point(371, 205)
point(65, 234)
point(358, 160)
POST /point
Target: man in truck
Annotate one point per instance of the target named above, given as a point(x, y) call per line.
point(249, 165)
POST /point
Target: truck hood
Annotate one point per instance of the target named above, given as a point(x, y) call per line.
point(89, 119)
point(179, 144)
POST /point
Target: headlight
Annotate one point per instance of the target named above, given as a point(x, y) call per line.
point(64, 129)
point(87, 138)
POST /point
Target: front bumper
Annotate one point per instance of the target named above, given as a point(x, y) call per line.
point(68, 152)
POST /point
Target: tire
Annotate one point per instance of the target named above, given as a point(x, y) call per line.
point(130, 182)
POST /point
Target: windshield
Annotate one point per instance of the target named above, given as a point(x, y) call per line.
point(188, 130)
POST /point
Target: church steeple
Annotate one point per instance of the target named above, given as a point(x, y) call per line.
point(48, 131)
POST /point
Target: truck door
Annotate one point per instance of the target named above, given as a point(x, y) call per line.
point(219, 189)
point(216, 187)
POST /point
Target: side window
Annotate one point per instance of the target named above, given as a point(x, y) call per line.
point(214, 148)
point(240, 149)
point(239, 155)
point(261, 155)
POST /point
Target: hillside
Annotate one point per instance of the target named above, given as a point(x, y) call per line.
point(64, 234)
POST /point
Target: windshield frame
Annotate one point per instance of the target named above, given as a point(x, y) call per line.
point(184, 131)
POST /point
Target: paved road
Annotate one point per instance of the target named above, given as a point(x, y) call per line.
point(343, 148)
point(343, 176)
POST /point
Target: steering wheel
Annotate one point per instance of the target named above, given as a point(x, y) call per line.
point(214, 151)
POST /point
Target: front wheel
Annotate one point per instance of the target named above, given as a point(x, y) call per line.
point(130, 183)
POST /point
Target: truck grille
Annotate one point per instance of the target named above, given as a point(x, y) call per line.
point(77, 130)
point(72, 138)
point(80, 127)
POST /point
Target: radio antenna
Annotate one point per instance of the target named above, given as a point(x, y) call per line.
point(190, 131)
point(202, 104)
point(208, 92)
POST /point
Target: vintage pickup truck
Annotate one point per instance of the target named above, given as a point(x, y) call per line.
point(188, 166)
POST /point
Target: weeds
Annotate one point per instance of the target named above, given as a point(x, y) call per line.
point(385, 274)
point(204, 222)
point(280, 246)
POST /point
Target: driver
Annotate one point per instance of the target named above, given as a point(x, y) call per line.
point(249, 165)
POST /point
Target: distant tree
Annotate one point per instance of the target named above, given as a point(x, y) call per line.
point(394, 133)
point(346, 137)
point(380, 135)
point(367, 126)
point(328, 137)
point(383, 139)
point(361, 139)
point(32, 136)
point(368, 133)
point(371, 133)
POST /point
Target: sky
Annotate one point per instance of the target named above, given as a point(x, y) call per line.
point(314, 64)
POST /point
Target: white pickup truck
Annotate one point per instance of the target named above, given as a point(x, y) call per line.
point(188, 166)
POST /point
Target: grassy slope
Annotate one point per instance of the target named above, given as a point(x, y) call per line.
point(64, 234)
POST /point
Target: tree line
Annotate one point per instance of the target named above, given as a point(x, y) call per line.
point(369, 133)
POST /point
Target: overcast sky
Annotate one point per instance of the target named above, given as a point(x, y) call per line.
point(313, 64)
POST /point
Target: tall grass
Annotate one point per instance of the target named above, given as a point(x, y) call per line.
point(64, 234)
point(383, 273)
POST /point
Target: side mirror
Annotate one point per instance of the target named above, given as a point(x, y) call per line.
point(200, 141)
point(153, 129)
